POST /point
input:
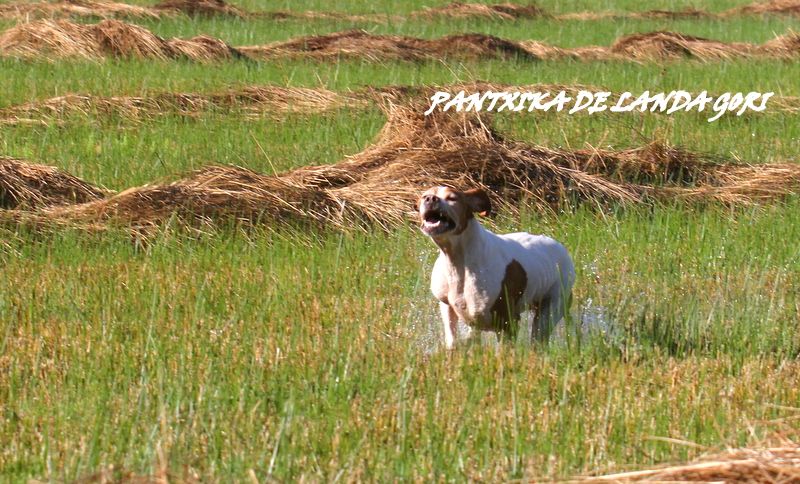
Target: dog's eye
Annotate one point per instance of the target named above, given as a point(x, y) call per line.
point(451, 198)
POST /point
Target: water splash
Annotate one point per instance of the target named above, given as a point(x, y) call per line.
point(586, 322)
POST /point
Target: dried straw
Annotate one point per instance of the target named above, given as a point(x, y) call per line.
point(75, 8)
point(113, 38)
point(687, 13)
point(364, 45)
point(31, 186)
point(784, 7)
point(201, 8)
point(109, 9)
point(653, 46)
point(671, 45)
point(501, 11)
point(109, 38)
point(772, 464)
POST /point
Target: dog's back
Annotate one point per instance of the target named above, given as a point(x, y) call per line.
point(546, 261)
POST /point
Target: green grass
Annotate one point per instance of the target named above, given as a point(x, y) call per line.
point(219, 351)
point(306, 353)
point(118, 155)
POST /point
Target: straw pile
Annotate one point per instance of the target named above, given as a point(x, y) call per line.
point(113, 38)
point(200, 8)
point(280, 15)
point(669, 173)
point(110, 9)
point(653, 46)
point(364, 45)
point(75, 8)
point(511, 11)
point(109, 38)
point(785, 46)
point(671, 45)
point(686, 13)
point(503, 11)
point(785, 7)
point(168, 8)
point(774, 464)
point(32, 186)
point(378, 186)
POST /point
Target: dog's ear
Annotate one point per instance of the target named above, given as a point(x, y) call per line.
point(478, 201)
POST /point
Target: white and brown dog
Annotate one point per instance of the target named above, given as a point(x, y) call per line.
point(487, 280)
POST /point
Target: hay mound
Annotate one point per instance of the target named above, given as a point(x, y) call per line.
point(504, 11)
point(77, 8)
point(363, 45)
point(776, 464)
point(782, 46)
point(786, 7)
point(377, 185)
point(316, 15)
point(686, 13)
point(478, 46)
point(652, 46)
point(351, 43)
point(673, 45)
point(412, 152)
point(203, 48)
point(109, 38)
point(113, 38)
point(32, 186)
point(201, 8)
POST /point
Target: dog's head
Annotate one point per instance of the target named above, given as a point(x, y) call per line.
point(444, 211)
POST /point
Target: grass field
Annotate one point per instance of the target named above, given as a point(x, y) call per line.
point(308, 353)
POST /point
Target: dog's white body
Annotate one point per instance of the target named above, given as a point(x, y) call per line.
point(487, 280)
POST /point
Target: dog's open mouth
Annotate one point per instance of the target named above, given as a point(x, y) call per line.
point(435, 222)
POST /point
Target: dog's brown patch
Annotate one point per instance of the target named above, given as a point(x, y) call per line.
point(513, 287)
point(478, 201)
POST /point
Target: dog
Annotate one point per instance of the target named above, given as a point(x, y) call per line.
point(487, 280)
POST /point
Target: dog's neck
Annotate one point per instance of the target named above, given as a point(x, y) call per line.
point(457, 247)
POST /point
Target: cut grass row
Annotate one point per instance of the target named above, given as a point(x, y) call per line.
point(115, 39)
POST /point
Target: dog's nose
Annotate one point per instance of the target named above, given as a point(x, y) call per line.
point(430, 198)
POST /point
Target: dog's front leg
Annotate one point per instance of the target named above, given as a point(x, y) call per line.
point(450, 323)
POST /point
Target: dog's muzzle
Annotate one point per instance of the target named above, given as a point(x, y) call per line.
point(435, 220)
